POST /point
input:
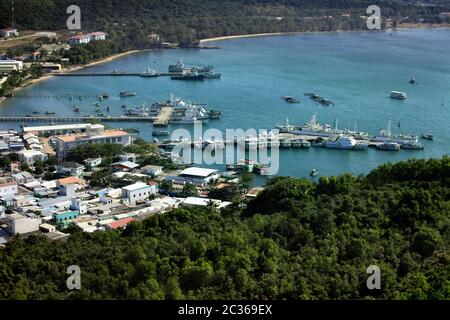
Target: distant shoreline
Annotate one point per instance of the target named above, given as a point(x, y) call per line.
point(248, 36)
point(411, 26)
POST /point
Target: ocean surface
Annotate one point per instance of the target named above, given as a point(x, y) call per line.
point(355, 70)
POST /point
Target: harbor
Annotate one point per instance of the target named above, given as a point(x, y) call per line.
point(280, 141)
point(250, 96)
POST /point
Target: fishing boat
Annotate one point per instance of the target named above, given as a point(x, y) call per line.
point(290, 99)
point(177, 68)
point(212, 75)
point(127, 93)
point(398, 95)
point(345, 142)
point(314, 172)
point(206, 69)
point(191, 75)
point(318, 99)
point(385, 135)
point(149, 73)
point(48, 113)
point(427, 136)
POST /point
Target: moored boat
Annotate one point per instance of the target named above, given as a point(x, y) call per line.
point(427, 136)
point(127, 93)
point(398, 95)
point(345, 142)
point(389, 146)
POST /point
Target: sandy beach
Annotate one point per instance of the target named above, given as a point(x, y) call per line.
point(403, 26)
point(108, 59)
point(247, 36)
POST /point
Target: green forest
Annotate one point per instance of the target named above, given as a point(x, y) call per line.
point(185, 20)
point(297, 240)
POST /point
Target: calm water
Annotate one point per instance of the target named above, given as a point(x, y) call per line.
point(356, 71)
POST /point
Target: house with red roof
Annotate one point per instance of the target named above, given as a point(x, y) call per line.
point(120, 223)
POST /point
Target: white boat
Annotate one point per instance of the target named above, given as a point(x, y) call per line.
point(398, 95)
point(178, 67)
point(149, 73)
point(345, 142)
point(185, 112)
point(385, 135)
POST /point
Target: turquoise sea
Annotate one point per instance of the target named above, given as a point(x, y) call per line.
point(356, 70)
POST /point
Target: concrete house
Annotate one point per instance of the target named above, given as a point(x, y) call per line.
point(138, 192)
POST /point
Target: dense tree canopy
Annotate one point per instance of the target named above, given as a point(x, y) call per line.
point(185, 20)
point(297, 240)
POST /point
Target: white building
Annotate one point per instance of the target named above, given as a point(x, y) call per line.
point(8, 188)
point(92, 162)
point(79, 205)
point(94, 134)
point(61, 129)
point(70, 168)
point(153, 171)
point(87, 37)
point(203, 202)
point(19, 224)
point(47, 228)
point(138, 192)
point(30, 156)
point(9, 32)
point(16, 64)
point(196, 176)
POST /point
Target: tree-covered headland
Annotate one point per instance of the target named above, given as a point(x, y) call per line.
point(296, 240)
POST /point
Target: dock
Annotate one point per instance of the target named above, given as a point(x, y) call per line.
point(76, 119)
point(111, 74)
point(164, 116)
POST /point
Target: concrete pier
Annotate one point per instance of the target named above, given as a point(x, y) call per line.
point(164, 116)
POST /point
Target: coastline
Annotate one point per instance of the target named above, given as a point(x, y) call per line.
point(249, 36)
point(409, 26)
point(403, 27)
point(72, 69)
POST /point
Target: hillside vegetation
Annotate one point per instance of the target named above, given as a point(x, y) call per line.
point(297, 240)
point(187, 20)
